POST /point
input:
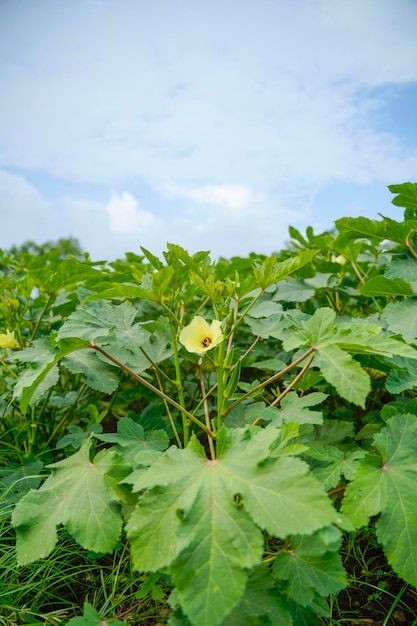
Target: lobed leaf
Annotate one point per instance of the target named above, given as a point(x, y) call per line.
point(310, 566)
point(203, 518)
point(385, 485)
point(78, 495)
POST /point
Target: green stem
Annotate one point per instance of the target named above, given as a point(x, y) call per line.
point(35, 330)
point(358, 272)
point(246, 311)
point(149, 385)
point(65, 417)
point(167, 409)
point(206, 411)
point(294, 382)
point(6, 367)
point(156, 368)
point(170, 313)
point(178, 384)
point(220, 385)
point(409, 246)
point(269, 381)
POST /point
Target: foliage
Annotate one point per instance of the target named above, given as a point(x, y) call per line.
point(234, 469)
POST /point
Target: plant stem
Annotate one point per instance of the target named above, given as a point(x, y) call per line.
point(246, 311)
point(270, 380)
point(64, 418)
point(206, 411)
point(149, 385)
point(6, 367)
point(35, 330)
point(178, 384)
point(409, 246)
point(294, 382)
point(357, 272)
point(220, 385)
point(171, 420)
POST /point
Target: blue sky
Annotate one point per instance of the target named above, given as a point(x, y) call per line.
point(213, 125)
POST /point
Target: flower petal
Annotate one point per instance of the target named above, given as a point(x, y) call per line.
point(198, 337)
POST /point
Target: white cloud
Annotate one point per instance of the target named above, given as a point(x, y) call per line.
point(263, 93)
point(125, 215)
point(250, 109)
point(24, 213)
point(234, 197)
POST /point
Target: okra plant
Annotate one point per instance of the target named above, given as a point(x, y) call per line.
point(232, 419)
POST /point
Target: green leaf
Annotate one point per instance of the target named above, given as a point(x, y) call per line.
point(43, 373)
point(293, 290)
point(248, 411)
point(288, 267)
point(264, 327)
point(388, 287)
point(124, 291)
point(370, 343)
point(153, 260)
point(337, 464)
point(15, 481)
point(65, 273)
point(265, 308)
point(97, 374)
point(209, 548)
point(79, 495)
point(92, 618)
point(401, 318)
point(404, 268)
point(295, 408)
point(271, 272)
point(386, 485)
point(344, 373)
point(406, 195)
point(310, 566)
point(318, 331)
point(261, 603)
point(360, 227)
point(134, 445)
point(405, 377)
point(95, 319)
point(162, 282)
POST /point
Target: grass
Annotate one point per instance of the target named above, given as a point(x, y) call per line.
point(375, 596)
point(53, 590)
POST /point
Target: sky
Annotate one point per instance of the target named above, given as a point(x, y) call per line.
point(211, 124)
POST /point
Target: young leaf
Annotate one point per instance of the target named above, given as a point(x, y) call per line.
point(134, 445)
point(78, 494)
